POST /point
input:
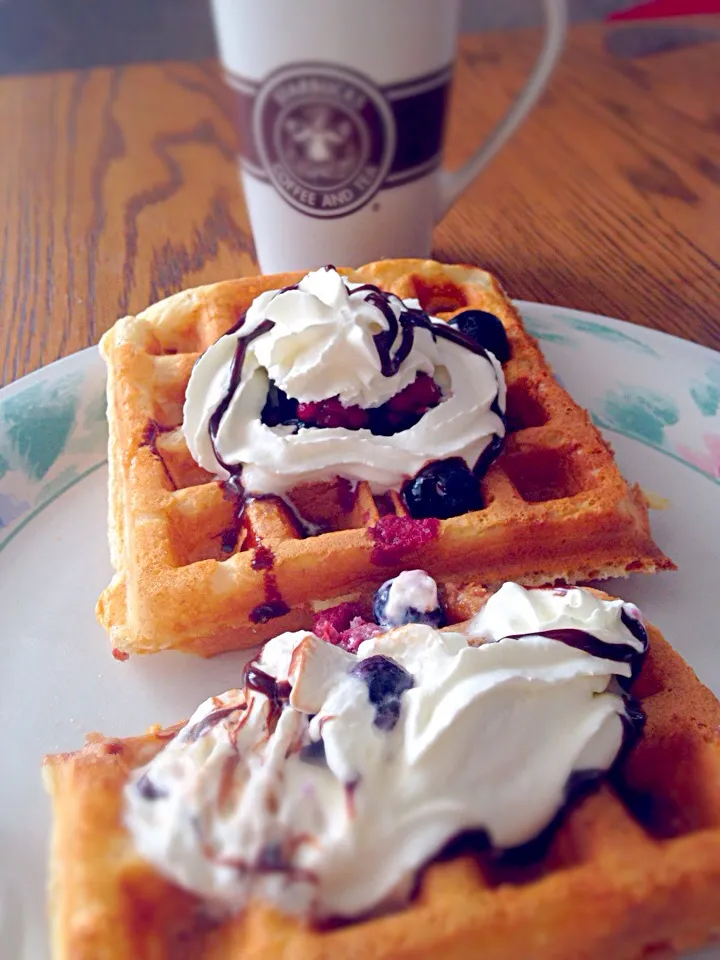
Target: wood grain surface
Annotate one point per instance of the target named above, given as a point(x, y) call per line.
point(118, 186)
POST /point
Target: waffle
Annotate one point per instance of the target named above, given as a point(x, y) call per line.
point(188, 576)
point(632, 872)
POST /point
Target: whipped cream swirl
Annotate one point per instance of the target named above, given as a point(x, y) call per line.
point(317, 340)
point(328, 782)
point(610, 629)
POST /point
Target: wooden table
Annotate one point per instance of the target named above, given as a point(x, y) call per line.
point(118, 186)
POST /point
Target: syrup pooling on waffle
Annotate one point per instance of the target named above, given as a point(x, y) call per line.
point(331, 778)
point(327, 378)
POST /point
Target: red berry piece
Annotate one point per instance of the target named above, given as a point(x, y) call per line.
point(393, 537)
point(331, 413)
point(344, 626)
point(358, 631)
point(336, 618)
point(417, 397)
point(405, 409)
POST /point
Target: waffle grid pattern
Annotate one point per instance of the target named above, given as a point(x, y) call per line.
point(632, 873)
point(556, 507)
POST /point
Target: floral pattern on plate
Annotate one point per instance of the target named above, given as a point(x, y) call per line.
point(53, 432)
point(659, 390)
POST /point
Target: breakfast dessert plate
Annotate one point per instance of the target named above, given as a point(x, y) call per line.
point(656, 399)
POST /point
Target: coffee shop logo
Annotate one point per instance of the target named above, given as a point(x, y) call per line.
point(325, 137)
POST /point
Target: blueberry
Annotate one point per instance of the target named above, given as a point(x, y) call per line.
point(149, 790)
point(434, 617)
point(314, 753)
point(484, 328)
point(384, 677)
point(444, 488)
point(387, 714)
point(279, 408)
point(386, 682)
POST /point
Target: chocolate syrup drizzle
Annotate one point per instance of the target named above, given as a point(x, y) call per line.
point(200, 728)
point(405, 324)
point(582, 640)
point(633, 720)
point(390, 361)
point(236, 368)
point(151, 433)
point(580, 782)
point(277, 691)
point(616, 652)
point(273, 605)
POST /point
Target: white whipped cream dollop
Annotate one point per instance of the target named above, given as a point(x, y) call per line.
point(517, 610)
point(321, 346)
point(327, 804)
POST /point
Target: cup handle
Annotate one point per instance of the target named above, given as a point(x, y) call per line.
point(455, 182)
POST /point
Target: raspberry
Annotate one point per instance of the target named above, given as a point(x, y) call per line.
point(358, 631)
point(336, 618)
point(417, 397)
point(394, 536)
point(331, 413)
point(344, 626)
point(403, 411)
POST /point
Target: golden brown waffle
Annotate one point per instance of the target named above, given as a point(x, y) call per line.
point(633, 872)
point(557, 507)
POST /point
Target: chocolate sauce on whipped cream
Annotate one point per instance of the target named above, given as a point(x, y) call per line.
point(191, 734)
point(276, 691)
point(588, 643)
point(393, 346)
point(582, 640)
point(234, 382)
point(409, 319)
point(273, 605)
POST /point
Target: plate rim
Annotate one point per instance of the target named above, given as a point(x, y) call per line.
point(626, 326)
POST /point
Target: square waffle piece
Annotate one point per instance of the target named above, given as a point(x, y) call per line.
point(632, 872)
point(189, 575)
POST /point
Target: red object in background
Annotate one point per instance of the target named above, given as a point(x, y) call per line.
point(667, 8)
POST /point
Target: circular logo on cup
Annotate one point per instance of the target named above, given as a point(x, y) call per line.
point(325, 136)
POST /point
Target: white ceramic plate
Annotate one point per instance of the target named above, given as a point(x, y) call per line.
point(657, 399)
